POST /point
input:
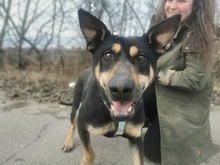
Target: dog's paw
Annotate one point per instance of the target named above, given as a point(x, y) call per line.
point(67, 147)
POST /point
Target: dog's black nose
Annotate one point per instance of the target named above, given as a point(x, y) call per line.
point(121, 87)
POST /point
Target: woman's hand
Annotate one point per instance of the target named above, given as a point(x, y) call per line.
point(165, 76)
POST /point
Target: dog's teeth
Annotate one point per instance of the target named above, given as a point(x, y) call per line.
point(112, 107)
point(116, 113)
point(129, 109)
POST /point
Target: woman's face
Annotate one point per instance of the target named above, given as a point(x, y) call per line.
point(183, 7)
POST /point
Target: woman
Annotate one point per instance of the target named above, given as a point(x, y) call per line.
point(179, 133)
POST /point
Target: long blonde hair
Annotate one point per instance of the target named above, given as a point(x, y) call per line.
point(203, 28)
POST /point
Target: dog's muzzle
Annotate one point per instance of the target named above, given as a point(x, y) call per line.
point(121, 98)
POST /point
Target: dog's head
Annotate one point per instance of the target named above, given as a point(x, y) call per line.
point(124, 66)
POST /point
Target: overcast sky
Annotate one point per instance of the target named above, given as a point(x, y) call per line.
point(71, 35)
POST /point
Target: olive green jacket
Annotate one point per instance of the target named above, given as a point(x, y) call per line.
point(184, 92)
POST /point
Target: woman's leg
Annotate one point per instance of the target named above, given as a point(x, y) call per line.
point(152, 137)
point(151, 142)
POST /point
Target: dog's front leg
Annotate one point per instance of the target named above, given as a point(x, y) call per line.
point(88, 153)
point(68, 144)
point(136, 150)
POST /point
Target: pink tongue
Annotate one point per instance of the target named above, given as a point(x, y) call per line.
point(121, 106)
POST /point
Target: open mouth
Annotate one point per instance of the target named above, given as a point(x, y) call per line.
point(122, 110)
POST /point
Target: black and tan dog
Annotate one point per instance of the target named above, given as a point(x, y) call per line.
point(111, 91)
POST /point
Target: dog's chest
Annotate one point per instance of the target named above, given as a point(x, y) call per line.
point(118, 128)
point(101, 130)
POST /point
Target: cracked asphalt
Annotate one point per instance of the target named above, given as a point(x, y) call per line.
point(33, 134)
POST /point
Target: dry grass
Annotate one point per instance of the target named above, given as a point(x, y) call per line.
point(33, 74)
point(55, 78)
point(50, 72)
point(73, 60)
point(48, 85)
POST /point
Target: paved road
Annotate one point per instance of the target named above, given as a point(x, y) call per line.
point(33, 134)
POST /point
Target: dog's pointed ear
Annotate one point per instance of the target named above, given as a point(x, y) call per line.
point(161, 34)
point(93, 29)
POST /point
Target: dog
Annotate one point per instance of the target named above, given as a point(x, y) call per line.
point(109, 93)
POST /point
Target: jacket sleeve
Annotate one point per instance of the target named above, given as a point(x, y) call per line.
point(193, 77)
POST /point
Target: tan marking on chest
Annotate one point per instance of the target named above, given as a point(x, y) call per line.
point(116, 48)
point(133, 130)
point(133, 51)
point(101, 130)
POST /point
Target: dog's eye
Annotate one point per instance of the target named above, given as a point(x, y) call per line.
point(141, 57)
point(108, 55)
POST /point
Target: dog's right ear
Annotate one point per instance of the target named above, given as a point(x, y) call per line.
point(93, 29)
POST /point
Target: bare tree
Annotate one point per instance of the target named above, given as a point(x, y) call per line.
point(46, 32)
point(5, 16)
point(63, 13)
point(21, 28)
point(37, 25)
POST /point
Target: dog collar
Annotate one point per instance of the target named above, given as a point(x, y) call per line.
point(120, 130)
